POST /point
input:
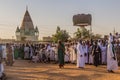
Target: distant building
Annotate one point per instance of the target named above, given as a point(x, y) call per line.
point(4, 41)
point(27, 32)
point(47, 39)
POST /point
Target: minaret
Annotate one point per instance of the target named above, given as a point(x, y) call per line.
point(27, 8)
point(17, 33)
point(36, 32)
point(114, 31)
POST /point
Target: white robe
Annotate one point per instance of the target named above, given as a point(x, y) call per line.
point(85, 49)
point(52, 54)
point(4, 51)
point(48, 47)
point(56, 54)
point(67, 56)
point(71, 54)
point(111, 63)
point(13, 52)
point(80, 60)
point(117, 37)
point(90, 55)
point(26, 51)
point(3, 56)
point(111, 38)
point(74, 54)
point(1, 69)
point(104, 53)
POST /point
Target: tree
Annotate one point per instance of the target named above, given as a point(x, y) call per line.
point(96, 36)
point(85, 34)
point(58, 29)
point(78, 33)
point(82, 33)
point(60, 35)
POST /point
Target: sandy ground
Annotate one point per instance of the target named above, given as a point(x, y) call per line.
point(22, 70)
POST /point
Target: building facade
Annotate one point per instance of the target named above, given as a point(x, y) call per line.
point(27, 31)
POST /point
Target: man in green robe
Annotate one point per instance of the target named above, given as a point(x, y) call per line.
point(16, 52)
point(61, 52)
point(21, 51)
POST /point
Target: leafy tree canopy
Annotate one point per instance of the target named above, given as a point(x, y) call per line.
point(60, 35)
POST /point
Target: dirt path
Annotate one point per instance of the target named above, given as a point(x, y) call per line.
point(22, 70)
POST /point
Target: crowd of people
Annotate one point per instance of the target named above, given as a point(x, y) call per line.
point(81, 52)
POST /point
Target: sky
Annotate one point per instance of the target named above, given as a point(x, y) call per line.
point(48, 14)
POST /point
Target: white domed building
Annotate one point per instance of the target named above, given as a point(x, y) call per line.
point(27, 31)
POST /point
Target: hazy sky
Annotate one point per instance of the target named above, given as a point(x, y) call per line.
point(48, 14)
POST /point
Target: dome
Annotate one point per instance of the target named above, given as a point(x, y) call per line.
point(27, 21)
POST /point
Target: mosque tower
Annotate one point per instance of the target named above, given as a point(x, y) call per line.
point(27, 31)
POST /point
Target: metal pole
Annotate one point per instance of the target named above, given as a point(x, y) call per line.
point(82, 32)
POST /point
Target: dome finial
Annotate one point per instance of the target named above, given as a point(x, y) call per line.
point(26, 7)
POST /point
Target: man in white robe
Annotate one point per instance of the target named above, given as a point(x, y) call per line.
point(104, 53)
point(56, 54)
point(26, 52)
point(111, 58)
point(85, 49)
point(71, 53)
point(48, 47)
point(13, 52)
point(67, 55)
point(52, 54)
point(2, 75)
point(4, 51)
point(74, 52)
point(110, 37)
point(90, 54)
point(80, 56)
point(117, 36)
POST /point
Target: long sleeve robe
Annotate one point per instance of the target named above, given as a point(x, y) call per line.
point(1, 64)
point(80, 59)
point(85, 49)
point(111, 63)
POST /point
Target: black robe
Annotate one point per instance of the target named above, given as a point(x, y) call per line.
point(96, 51)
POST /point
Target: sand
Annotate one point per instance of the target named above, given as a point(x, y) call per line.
point(22, 70)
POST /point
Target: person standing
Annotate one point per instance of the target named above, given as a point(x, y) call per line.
point(111, 37)
point(10, 57)
point(61, 52)
point(96, 54)
point(85, 49)
point(21, 51)
point(2, 58)
point(117, 51)
point(80, 55)
point(104, 53)
point(2, 75)
point(67, 55)
point(111, 58)
point(16, 52)
point(26, 52)
point(75, 52)
point(4, 51)
point(71, 53)
point(90, 54)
